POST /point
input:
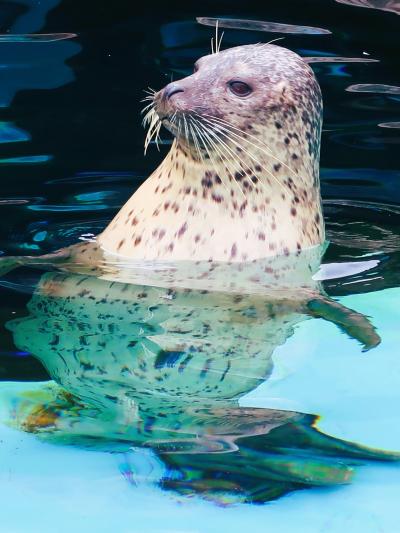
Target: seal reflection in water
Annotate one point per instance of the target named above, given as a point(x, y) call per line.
point(146, 366)
point(155, 332)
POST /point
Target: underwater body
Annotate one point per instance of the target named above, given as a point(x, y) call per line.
point(164, 366)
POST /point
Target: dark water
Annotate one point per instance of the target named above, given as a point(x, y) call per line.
point(71, 153)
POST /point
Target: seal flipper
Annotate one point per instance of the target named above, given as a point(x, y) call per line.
point(9, 263)
point(356, 325)
point(303, 436)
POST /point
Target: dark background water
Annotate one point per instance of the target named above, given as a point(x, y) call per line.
point(71, 140)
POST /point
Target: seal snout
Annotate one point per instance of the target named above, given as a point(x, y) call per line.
point(166, 102)
point(170, 90)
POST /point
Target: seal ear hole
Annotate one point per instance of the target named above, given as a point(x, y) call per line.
point(239, 88)
point(195, 67)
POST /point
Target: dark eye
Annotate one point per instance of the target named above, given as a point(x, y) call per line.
point(239, 88)
point(195, 67)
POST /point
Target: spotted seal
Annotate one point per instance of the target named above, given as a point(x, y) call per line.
point(241, 181)
point(154, 332)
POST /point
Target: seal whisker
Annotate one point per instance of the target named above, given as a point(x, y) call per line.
point(251, 156)
point(217, 41)
point(196, 142)
point(154, 128)
point(220, 41)
point(205, 136)
point(236, 158)
point(225, 160)
point(267, 150)
point(147, 107)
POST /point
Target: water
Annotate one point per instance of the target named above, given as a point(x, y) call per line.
point(71, 154)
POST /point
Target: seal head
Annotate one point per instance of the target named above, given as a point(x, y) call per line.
point(241, 181)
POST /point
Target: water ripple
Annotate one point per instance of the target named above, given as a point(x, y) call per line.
point(393, 6)
point(261, 25)
point(338, 59)
point(24, 160)
point(373, 88)
point(36, 37)
point(389, 125)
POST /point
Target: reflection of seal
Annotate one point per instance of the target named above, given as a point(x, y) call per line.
point(241, 180)
point(143, 366)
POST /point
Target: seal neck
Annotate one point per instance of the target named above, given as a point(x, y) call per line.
point(204, 209)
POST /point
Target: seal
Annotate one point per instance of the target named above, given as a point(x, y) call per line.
point(154, 332)
point(241, 181)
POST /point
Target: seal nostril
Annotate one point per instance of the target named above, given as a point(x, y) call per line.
point(172, 89)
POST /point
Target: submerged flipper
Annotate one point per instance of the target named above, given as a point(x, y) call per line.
point(290, 457)
point(356, 325)
point(303, 437)
point(7, 264)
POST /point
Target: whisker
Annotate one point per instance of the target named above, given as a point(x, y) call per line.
point(274, 40)
point(154, 122)
point(224, 160)
point(241, 166)
point(220, 41)
point(228, 136)
point(196, 142)
point(204, 142)
point(264, 146)
point(147, 107)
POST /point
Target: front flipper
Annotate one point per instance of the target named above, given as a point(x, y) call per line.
point(7, 264)
point(78, 257)
point(356, 325)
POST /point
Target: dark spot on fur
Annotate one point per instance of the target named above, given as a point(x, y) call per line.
point(182, 229)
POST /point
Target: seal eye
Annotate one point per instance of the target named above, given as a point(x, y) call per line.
point(239, 88)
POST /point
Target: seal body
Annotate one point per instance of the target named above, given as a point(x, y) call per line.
point(241, 181)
